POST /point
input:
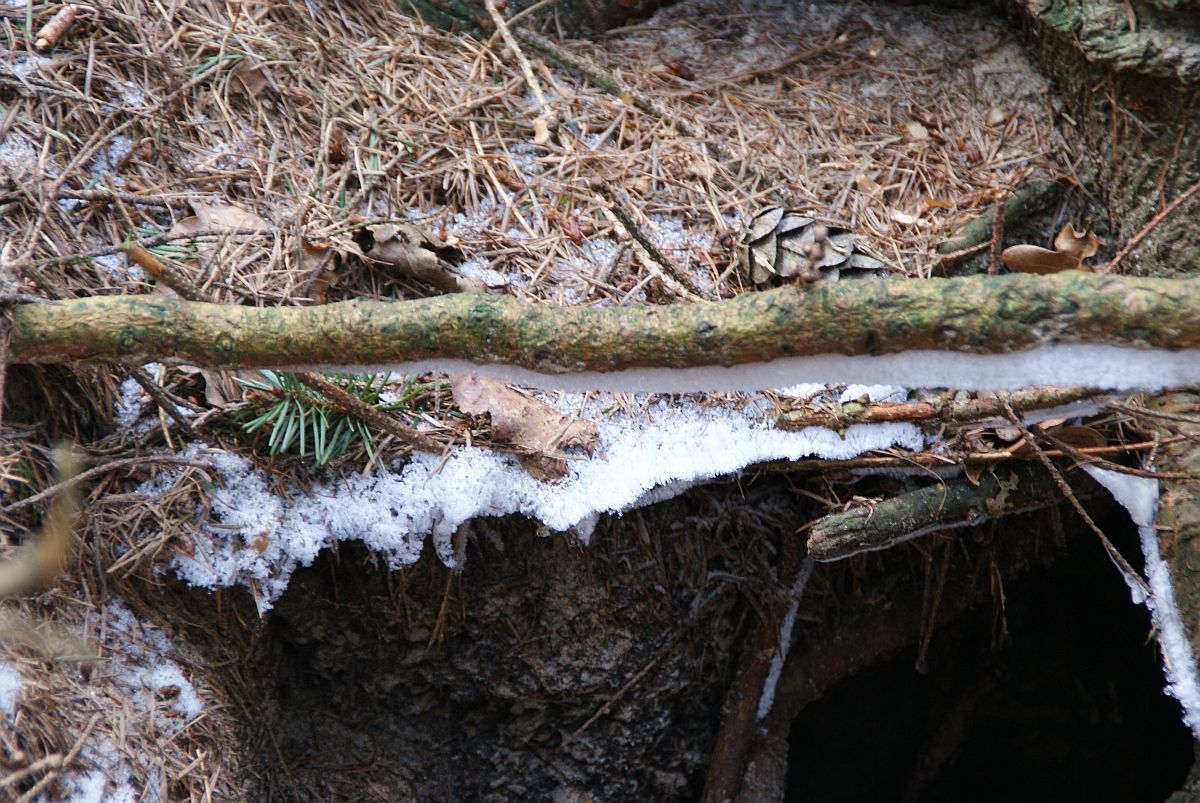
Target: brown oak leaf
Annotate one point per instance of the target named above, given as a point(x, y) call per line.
point(1070, 249)
point(541, 432)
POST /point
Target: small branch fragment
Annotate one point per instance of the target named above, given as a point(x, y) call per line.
point(162, 399)
point(53, 30)
point(997, 243)
point(546, 122)
point(839, 416)
point(164, 272)
point(1023, 203)
point(670, 268)
point(971, 315)
point(609, 83)
point(1002, 491)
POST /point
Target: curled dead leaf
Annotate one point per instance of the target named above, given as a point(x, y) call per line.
point(412, 252)
point(996, 115)
point(534, 426)
point(1081, 244)
point(1071, 248)
point(252, 76)
point(915, 130)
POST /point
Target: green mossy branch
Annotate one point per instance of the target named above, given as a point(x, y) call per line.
point(1003, 491)
point(976, 314)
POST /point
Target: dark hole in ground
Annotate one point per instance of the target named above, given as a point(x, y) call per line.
point(1069, 708)
point(395, 686)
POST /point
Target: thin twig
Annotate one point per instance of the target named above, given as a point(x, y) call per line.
point(947, 461)
point(948, 410)
point(997, 241)
point(148, 242)
point(53, 762)
point(674, 272)
point(98, 196)
point(84, 476)
point(164, 272)
point(1142, 411)
point(381, 421)
point(37, 788)
point(608, 82)
point(544, 112)
point(1086, 459)
point(1154, 221)
point(1063, 486)
point(161, 398)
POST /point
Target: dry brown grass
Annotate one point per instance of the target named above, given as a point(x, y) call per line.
point(297, 122)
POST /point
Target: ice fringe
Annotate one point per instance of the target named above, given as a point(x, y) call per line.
point(643, 456)
point(795, 593)
point(1139, 496)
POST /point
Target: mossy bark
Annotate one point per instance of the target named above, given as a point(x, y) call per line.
point(974, 315)
point(1003, 491)
point(1128, 76)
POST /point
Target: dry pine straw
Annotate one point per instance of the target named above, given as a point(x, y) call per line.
point(314, 117)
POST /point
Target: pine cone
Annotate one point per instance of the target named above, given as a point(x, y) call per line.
point(781, 244)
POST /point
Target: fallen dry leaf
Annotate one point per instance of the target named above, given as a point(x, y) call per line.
point(527, 423)
point(413, 252)
point(1071, 248)
point(1080, 437)
point(221, 386)
point(218, 217)
point(996, 115)
point(251, 76)
point(916, 130)
point(1081, 244)
point(867, 185)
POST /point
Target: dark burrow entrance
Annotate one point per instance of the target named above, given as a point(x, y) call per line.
point(512, 682)
point(1067, 705)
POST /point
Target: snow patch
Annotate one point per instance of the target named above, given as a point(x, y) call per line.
point(140, 659)
point(139, 662)
point(10, 686)
point(258, 538)
point(118, 269)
